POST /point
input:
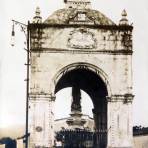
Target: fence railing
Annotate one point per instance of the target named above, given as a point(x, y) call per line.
point(82, 138)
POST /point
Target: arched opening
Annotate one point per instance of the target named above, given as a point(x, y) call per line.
point(90, 82)
point(62, 105)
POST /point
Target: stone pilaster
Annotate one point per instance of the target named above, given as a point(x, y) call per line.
point(120, 121)
point(41, 120)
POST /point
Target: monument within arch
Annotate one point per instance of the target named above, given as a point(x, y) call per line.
point(80, 47)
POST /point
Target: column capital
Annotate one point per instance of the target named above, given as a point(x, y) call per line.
point(42, 96)
point(125, 98)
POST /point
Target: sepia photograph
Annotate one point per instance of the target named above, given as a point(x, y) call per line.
point(74, 74)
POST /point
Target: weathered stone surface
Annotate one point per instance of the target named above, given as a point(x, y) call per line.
point(64, 43)
point(65, 16)
point(103, 40)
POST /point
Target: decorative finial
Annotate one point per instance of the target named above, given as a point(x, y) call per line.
point(124, 20)
point(37, 18)
point(65, 1)
point(124, 13)
point(37, 12)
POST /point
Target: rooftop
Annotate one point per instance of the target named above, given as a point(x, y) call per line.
point(73, 15)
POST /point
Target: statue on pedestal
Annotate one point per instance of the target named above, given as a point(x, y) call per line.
point(76, 120)
point(76, 99)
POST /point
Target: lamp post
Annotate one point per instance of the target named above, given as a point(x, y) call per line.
point(26, 31)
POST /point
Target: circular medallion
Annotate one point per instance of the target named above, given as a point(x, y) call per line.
point(38, 128)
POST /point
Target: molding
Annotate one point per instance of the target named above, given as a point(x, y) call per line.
point(82, 51)
point(81, 65)
point(105, 27)
point(41, 97)
point(126, 98)
point(86, 66)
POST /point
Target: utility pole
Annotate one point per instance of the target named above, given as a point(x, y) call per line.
point(26, 31)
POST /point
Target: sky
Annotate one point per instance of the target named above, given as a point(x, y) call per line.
point(12, 59)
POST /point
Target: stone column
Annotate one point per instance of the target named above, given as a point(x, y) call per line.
point(41, 120)
point(120, 121)
point(76, 99)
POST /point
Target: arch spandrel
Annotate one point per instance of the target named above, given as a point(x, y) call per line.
point(86, 66)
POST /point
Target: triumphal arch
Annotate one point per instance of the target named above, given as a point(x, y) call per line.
point(80, 47)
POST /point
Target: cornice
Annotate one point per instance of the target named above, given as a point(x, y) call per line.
point(126, 98)
point(95, 26)
point(82, 51)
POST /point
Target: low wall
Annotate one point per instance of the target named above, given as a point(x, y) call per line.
point(141, 141)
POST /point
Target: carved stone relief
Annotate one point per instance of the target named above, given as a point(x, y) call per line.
point(82, 39)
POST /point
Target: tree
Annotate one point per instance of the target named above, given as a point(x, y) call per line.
point(10, 143)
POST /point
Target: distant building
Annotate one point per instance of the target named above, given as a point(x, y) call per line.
point(62, 123)
point(140, 137)
point(140, 134)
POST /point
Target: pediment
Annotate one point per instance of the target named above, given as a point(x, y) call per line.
point(75, 16)
point(80, 18)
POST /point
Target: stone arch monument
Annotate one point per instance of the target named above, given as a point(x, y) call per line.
point(81, 47)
